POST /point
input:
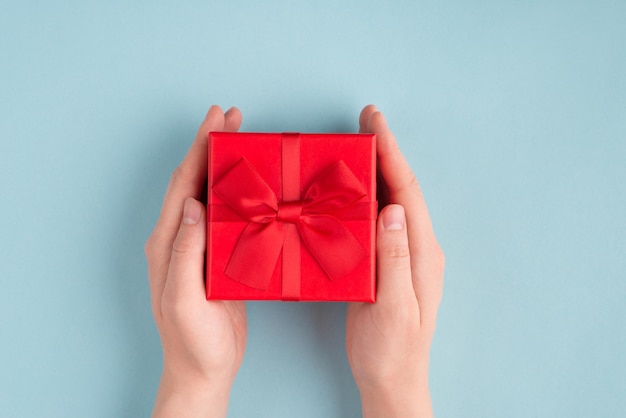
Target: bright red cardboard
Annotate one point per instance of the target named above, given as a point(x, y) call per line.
point(263, 153)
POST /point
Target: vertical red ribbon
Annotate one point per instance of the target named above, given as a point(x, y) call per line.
point(290, 173)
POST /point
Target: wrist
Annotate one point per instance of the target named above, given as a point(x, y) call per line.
point(188, 396)
point(396, 399)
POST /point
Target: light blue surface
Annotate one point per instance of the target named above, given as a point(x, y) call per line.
point(512, 113)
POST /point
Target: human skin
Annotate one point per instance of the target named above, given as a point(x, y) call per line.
point(388, 343)
point(203, 341)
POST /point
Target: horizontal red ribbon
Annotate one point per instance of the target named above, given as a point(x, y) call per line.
point(317, 218)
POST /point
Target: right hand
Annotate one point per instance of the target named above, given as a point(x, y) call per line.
point(203, 340)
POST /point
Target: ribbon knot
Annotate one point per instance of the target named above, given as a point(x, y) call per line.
point(316, 219)
point(289, 212)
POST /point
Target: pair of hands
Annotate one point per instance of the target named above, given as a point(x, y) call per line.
point(388, 343)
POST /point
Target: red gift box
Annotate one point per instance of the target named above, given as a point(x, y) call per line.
point(291, 217)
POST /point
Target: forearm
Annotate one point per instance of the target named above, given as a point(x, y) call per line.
point(179, 399)
point(398, 401)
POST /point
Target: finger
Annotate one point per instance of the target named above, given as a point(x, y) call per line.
point(404, 189)
point(393, 257)
point(232, 120)
point(364, 117)
point(382, 194)
point(402, 184)
point(185, 276)
point(186, 181)
point(189, 176)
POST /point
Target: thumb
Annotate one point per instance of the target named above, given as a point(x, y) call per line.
point(393, 256)
point(186, 271)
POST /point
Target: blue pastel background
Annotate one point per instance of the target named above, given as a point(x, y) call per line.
point(512, 113)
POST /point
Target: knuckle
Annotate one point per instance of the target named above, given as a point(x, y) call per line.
point(434, 259)
point(432, 271)
point(439, 258)
point(412, 182)
point(175, 309)
point(156, 312)
point(176, 174)
point(148, 247)
point(397, 251)
point(180, 174)
point(182, 245)
point(414, 185)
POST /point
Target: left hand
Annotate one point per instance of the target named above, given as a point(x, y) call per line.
point(388, 342)
point(203, 341)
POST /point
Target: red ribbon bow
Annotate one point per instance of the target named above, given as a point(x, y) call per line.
point(315, 218)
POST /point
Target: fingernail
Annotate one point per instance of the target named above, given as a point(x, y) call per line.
point(393, 218)
point(191, 212)
point(229, 109)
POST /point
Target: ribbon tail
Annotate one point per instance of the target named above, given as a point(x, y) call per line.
point(333, 246)
point(254, 258)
